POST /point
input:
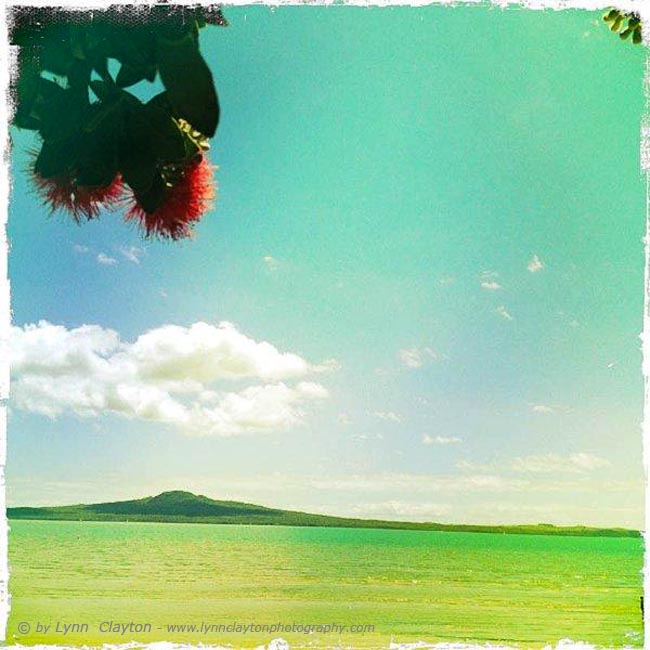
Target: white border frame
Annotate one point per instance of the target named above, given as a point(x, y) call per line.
point(642, 7)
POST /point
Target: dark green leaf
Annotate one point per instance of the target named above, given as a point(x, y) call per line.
point(138, 168)
point(162, 100)
point(25, 91)
point(56, 57)
point(189, 84)
point(611, 15)
point(131, 45)
point(167, 140)
point(78, 78)
point(103, 115)
point(49, 90)
point(95, 172)
point(176, 31)
point(105, 90)
point(60, 116)
point(26, 121)
point(53, 159)
point(130, 75)
point(100, 65)
point(150, 73)
point(77, 44)
point(151, 199)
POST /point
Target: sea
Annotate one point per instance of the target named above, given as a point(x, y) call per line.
point(131, 584)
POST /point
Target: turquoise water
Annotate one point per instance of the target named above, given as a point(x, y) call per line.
point(407, 585)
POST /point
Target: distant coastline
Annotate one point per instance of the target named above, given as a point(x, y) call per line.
point(185, 507)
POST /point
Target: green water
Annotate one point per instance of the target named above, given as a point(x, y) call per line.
point(411, 585)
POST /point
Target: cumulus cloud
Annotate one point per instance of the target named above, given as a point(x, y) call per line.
point(553, 463)
point(542, 408)
point(417, 357)
point(535, 264)
point(189, 377)
point(440, 440)
point(504, 313)
point(106, 260)
point(132, 253)
point(389, 416)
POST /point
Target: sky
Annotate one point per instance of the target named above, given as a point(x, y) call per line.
point(419, 295)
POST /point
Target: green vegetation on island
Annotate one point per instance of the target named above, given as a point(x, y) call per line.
point(185, 507)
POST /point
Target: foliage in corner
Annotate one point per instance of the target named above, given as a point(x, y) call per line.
point(625, 24)
point(101, 145)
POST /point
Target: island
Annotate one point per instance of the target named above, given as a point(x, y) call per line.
point(185, 507)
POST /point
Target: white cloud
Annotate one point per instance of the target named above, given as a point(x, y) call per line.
point(389, 416)
point(417, 357)
point(535, 264)
point(264, 408)
point(206, 353)
point(504, 313)
point(394, 509)
point(489, 281)
point(132, 253)
point(588, 462)
point(469, 466)
point(553, 463)
point(171, 374)
point(367, 436)
point(271, 263)
point(446, 280)
point(440, 440)
point(104, 259)
point(542, 408)
point(82, 250)
point(418, 483)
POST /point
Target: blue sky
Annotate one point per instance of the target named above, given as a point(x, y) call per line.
point(438, 210)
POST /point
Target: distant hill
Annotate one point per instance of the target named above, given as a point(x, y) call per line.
point(185, 507)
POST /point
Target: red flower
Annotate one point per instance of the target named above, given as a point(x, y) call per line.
point(62, 193)
point(184, 204)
